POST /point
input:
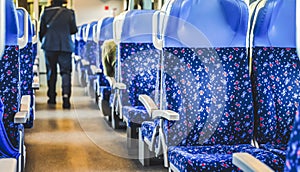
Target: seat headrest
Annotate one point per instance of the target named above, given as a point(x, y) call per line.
point(82, 31)
point(202, 23)
point(11, 24)
point(89, 31)
point(137, 26)
point(276, 24)
point(107, 29)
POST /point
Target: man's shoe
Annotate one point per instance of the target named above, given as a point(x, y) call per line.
point(66, 103)
point(51, 101)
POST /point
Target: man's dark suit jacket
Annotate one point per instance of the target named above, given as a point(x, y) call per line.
point(58, 36)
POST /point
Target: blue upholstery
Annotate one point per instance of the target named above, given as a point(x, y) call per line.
point(10, 86)
point(207, 64)
point(276, 68)
point(26, 64)
point(139, 69)
point(293, 151)
point(135, 32)
point(217, 157)
point(106, 29)
point(6, 149)
point(106, 33)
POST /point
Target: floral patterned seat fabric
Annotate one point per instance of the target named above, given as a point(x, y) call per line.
point(276, 68)
point(10, 87)
point(210, 69)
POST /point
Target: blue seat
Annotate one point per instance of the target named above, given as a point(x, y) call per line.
point(81, 51)
point(137, 68)
point(89, 57)
point(12, 140)
point(276, 68)
point(207, 58)
point(26, 60)
point(103, 90)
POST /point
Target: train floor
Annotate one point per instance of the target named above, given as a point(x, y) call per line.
point(79, 139)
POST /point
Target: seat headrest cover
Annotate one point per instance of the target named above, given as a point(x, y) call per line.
point(107, 29)
point(11, 24)
point(82, 31)
point(276, 24)
point(137, 27)
point(202, 23)
point(90, 30)
point(21, 22)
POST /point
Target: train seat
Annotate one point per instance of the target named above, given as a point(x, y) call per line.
point(81, 51)
point(26, 59)
point(275, 78)
point(139, 65)
point(14, 113)
point(89, 58)
point(104, 32)
point(209, 62)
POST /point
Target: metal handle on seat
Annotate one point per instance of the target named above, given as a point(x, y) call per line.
point(2, 27)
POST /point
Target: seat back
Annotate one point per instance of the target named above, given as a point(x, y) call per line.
point(292, 157)
point(276, 68)
point(138, 60)
point(10, 84)
point(104, 32)
point(206, 57)
point(26, 57)
point(91, 51)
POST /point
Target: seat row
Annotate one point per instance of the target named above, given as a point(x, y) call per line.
point(18, 52)
point(200, 80)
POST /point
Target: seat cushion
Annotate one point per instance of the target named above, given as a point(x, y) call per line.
point(218, 157)
point(147, 129)
point(136, 114)
point(278, 149)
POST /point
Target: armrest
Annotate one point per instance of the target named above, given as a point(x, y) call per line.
point(113, 84)
point(247, 162)
point(85, 62)
point(9, 164)
point(77, 58)
point(21, 117)
point(167, 114)
point(148, 103)
point(120, 86)
point(23, 114)
point(35, 69)
point(36, 82)
point(95, 70)
point(36, 61)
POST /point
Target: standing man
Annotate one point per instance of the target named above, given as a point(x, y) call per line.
point(57, 25)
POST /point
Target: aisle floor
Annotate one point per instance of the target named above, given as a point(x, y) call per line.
point(79, 139)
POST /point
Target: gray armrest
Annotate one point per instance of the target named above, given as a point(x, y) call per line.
point(167, 114)
point(23, 114)
point(36, 61)
point(120, 86)
point(95, 70)
point(35, 69)
point(115, 85)
point(148, 103)
point(8, 164)
point(247, 162)
point(77, 58)
point(85, 62)
point(36, 82)
point(21, 117)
